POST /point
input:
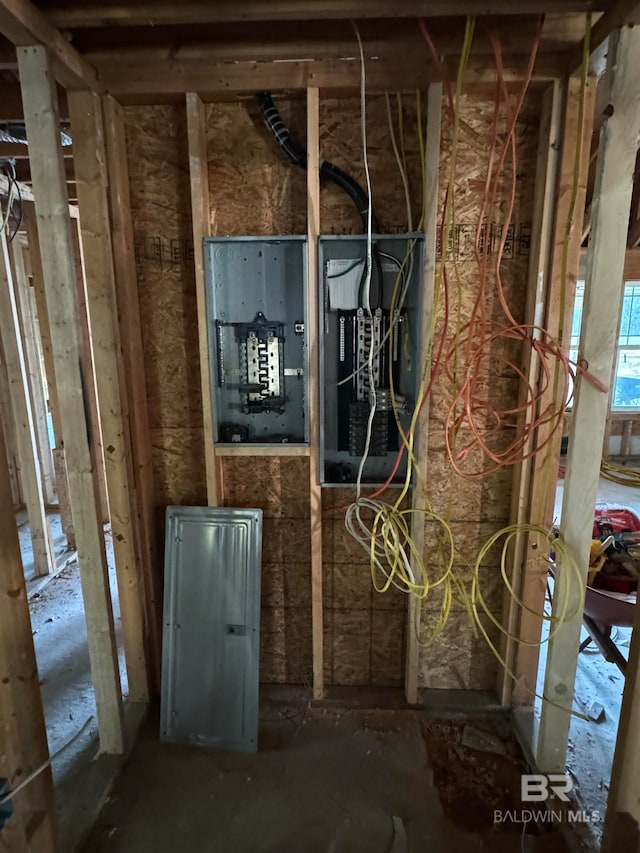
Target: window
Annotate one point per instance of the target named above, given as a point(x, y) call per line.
point(626, 388)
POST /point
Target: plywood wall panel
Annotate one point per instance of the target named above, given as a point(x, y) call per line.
point(478, 507)
point(341, 144)
point(254, 188)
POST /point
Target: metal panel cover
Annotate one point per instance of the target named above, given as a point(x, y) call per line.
point(211, 627)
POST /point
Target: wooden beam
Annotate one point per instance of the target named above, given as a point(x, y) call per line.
point(33, 365)
point(143, 81)
point(23, 171)
point(10, 439)
point(19, 151)
point(23, 24)
point(27, 194)
point(202, 12)
point(23, 737)
point(558, 316)
point(13, 349)
point(419, 498)
point(262, 450)
point(54, 228)
point(11, 102)
point(323, 39)
point(603, 298)
point(617, 15)
point(199, 180)
point(91, 174)
point(313, 387)
point(89, 372)
point(537, 288)
point(37, 278)
point(133, 361)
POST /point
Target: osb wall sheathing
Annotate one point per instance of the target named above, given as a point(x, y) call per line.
point(479, 507)
point(161, 209)
point(280, 488)
point(255, 190)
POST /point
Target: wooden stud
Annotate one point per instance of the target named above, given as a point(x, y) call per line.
point(37, 278)
point(71, 15)
point(148, 81)
point(10, 440)
point(262, 450)
point(33, 365)
point(90, 164)
point(199, 179)
point(10, 336)
point(313, 229)
point(133, 362)
point(625, 444)
point(23, 737)
point(89, 371)
point(56, 247)
point(603, 299)
point(22, 23)
point(560, 299)
point(538, 283)
point(432, 147)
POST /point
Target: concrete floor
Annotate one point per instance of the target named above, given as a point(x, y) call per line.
point(62, 654)
point(331, 784)
point(26, 549)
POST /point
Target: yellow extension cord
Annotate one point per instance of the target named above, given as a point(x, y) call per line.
point(387, 536)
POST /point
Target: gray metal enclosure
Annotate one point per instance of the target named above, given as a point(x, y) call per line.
point(341, 264)
point(257, 327)
point(211, 633)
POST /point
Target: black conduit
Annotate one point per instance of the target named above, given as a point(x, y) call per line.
point(298, 155)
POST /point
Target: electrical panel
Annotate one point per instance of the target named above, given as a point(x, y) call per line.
point(256, 292)
point(365, 342)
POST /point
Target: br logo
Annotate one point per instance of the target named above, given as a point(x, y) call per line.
point(536, 788)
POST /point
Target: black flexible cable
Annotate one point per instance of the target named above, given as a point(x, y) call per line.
point(298, 155)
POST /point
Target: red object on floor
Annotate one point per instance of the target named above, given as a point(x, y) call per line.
point(614, 520)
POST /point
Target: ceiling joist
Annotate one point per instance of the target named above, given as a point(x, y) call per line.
point(24, 25)
point(140, 81)
point(93, 14)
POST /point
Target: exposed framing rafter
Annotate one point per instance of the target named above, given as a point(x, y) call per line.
point(23, 24)
point(88, 14)
point(620, 13)
point(153, 81)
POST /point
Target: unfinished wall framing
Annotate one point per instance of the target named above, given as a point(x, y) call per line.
point(255, 190)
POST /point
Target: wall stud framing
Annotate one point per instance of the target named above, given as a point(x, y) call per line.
point(37, 394)
point(14, 358)
point(432, 146)
point(199, 178)
point(90, 167)
point(54, 226)
point(37, 277)
point(133, 365)
point(560, 293)
point(537, 287)
point(23, 737)
point(603, 296)
point(313, 229)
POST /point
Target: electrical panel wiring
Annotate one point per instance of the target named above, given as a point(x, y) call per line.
point(256, 298)
point(349, 333)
